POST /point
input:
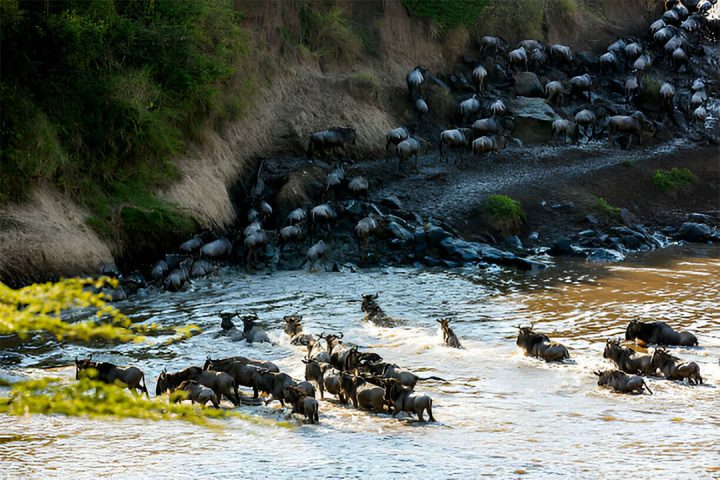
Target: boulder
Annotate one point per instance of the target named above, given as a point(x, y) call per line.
point(533, 119)
point(527, 84)
point(565, 247)
point(391, 202)
point(605, 255)
point(399, 232)
point(435, 235)
point(694, 232)
point(458, 249)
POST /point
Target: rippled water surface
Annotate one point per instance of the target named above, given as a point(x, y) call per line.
point(499, 414)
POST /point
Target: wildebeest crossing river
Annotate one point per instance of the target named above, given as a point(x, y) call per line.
point(500, 413)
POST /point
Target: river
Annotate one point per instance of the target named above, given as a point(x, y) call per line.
point(499, 414)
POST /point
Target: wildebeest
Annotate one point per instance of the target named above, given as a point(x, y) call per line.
point(366, 227)
point(668, 365)
point(657, 25)
point(315, 372)
point(374, 312)
point(561, 54)
point(421, 107)
point(486, 144)
point(198, 393)
point(415, 79)
point(632, 88)
point(498, 107)
point(362, 393)
point(633, 125)
point(626, 360)
point(469, 106)
point(242, 372)
point(405, 377)
point(335, 178)
point(321, 215)
point(303, 403)
point(582, 84)
point(291, 233)
point(531, 44)
point(293, 327)
point(333, 385)
point(403, 401)
point(700, 114)
point(296, 216)
point(658, 333)
point(622, 383)
point(274, 384)
point(698, 98)
point(479, 74)
point(493, 126)
point(220, 382)
point(189, 246)
point(492, 44)
point(216, 249)
point(454, 138)
point(359, 186)
point(408, 148)
point(642, 63)
point(337, 350)
point(518, 57)
point(315, 253)
point(253, 333)
point(667, 93)
point(397, 135)
point(177, 277)
point(449, 337)
point(220, 364)
point(633, 51)
point(608, 63)
point(554, 92)
point(254, 242)
point(539, 345)
point(228, 327)
point(564, 128)
point(679, 58)
point(587, 120)
point(106, 372)
point(336, 137)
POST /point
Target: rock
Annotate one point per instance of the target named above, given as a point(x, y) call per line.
point(457, 249)
point(110, 269)
point(561, 207)
point(159, 270)
point(528, 85)
point(565, 247)
point(421, 243)
point(491, 254)
point(592, 219)
point(632, 242)
point(694, 232)
point(400, 232)
point(115, 294)
point(533, 119)
point(435, 235)
point(216, 249)
point(587, 233)
point(605, 255)
point(699, 218)
point(534, 236)
point(627, 217)
point(392, 202)
point(514, 242)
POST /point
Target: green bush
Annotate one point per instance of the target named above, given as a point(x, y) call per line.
point(606, 208)
point(447, 13)
point(328, 34)
point(504, 213)
point(672, 180)
point(98, 95)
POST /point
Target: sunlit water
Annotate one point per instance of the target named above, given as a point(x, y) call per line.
point(500, 413)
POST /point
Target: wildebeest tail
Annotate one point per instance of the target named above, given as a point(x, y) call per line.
point(432, 378)
point(316, 414)
point(429, 411)
point(144, 387)
point(648, 388)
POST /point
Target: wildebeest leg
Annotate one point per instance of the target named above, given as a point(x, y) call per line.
point(429, 411)
point(420, 415)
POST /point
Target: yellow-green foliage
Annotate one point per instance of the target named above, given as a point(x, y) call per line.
point(671, 180)
point(38, 307)
point(91, 398)
point(504, 213)
point(610, 210)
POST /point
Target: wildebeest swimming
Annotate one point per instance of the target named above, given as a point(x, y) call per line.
point(669, 367)
point(220, 382)
point(622, 383)
point(403, 400)
point(374, 312)
point(539, 345)
point(658, 333)
point(449, 337)
point(109, 373)
point(626, 360)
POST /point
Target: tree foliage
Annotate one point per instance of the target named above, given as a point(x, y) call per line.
point(90, 398)
point(39, 307)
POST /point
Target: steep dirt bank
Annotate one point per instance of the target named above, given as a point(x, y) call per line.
point(299, 91)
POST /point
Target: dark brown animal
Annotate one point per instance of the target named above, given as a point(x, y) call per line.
point(622, 383)
point(668, 365)
point(131, 377)
point(449, 336)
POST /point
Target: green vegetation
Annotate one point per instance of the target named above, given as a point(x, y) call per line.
point(668, 181)
point(94, 399)
point(447, 14)
point(504, 213)
point(98, 95)
point(328, 34)
point(38, 308)
point(650, 92)
point(606, 208)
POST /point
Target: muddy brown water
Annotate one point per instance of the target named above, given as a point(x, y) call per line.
point(499, 414)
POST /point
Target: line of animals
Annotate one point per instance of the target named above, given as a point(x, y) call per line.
point(672, 40)
point(369, 382)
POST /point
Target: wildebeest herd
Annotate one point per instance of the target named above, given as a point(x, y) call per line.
point(369, 382)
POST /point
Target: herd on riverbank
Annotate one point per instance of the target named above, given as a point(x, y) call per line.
point(369, 382)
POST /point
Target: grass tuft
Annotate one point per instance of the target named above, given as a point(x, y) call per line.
point(504, 213)
point(669, 181)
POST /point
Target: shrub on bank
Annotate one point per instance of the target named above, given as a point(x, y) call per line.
point(504, 213)
point(668, 181)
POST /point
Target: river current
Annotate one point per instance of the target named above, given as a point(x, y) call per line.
point(499, 414)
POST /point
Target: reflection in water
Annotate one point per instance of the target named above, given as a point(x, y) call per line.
point(499, 413)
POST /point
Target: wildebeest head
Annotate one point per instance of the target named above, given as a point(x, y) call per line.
point(248, 322)
point(332, 340)
point(84, 364)
point(226, 323)
point(444, 324)
point(633, 330)
point(527, 337)
point(293, 324)
point(368, 302)
point(162, 383)
point(661, 357)
point(611, 348)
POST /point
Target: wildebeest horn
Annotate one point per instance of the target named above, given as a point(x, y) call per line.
point(376, 295)
point(322, 335)
point(340, 335)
